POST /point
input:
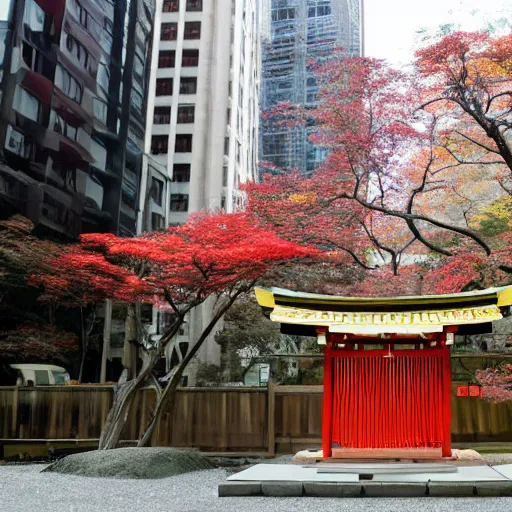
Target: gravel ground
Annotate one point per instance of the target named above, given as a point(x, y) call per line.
point(495, 459)
point(25, 489)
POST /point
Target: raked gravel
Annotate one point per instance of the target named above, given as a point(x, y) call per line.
point(25, 489)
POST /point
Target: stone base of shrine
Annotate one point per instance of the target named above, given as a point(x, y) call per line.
point(370, 480)
point(387, 454)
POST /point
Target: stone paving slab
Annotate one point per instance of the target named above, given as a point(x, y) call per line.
point(505, 470)
point(463, 474)
point(290, 473)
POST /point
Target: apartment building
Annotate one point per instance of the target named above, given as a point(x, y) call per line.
point(202, 125)
point(72, 115)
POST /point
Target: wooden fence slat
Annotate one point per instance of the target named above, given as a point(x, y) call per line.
point(271, 418)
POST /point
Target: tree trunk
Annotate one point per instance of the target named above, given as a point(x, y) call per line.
point(131, 338)
point(83, 335)
point(168, 396)
point(123, 399)
point(107, 328)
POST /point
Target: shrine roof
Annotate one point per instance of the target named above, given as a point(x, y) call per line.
point(372, 315)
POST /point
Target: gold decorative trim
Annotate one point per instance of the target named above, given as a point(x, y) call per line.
point(477, 315)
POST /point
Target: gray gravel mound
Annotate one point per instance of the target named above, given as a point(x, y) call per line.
point(141, 463)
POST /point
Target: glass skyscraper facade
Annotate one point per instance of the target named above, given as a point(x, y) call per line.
point(296, 32)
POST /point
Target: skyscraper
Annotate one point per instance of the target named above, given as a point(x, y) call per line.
point(295, 32)
point(202, 124)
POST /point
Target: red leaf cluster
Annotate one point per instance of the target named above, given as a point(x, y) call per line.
point(207, 255)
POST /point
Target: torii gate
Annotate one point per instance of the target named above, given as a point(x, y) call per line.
point(387, 373)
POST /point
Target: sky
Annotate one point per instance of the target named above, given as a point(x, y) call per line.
point(4, 9)
point(390, 25)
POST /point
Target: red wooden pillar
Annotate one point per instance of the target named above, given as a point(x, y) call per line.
point(327, 402)
point(447, 403)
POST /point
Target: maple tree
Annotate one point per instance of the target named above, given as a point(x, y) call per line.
point(35, 343)
point(368, 196)
point(219, 256)
point(469, 96)
point(496, 383)
point(27, 334)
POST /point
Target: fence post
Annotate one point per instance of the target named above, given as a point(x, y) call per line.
point(15, 407)
point(271, 418)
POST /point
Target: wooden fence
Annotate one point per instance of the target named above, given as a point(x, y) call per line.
point(278, 419)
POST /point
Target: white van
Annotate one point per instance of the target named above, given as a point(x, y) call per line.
point(41, 374)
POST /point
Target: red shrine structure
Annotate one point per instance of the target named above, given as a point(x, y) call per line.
point(387, 372)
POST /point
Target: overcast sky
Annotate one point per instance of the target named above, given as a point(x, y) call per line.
point(390, 25)
point(4, 9)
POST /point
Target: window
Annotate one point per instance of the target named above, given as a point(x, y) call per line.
point(283, 14)
point(164, 87)
point(224, 176)
point(136, 100)
point(103, 78)
point(42, 378)
point(192, 30)
point(186, 113)
point(159, 144)
point(162, 115)
point(171, 6)
point(157, 222)
point(188, 85)
point(35, 60)
point(226, 146)
point(179, 202)
point(26, 104)
point(194, 5)
point(79, 53)
point(166, 59)
point(181, 173)
point(67, 84)
point(60, 126)
point(33, 17)
point(190, 58)
point(169, 32)
point(138, 66)
point(183, 144)
point(156, 191)
point(83, 15)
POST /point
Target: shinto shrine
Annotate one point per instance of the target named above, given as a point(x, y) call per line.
point(387, 372)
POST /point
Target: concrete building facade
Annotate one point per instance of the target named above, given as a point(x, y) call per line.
point(202, 126)
point(295, 32)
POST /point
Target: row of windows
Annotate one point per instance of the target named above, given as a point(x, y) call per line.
point(174, 5)
point(160, 144)
point(319, 10)
point(188, 85)
point(167, 58)
point(169, 31)
point(186, 114)
point(283, 14)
